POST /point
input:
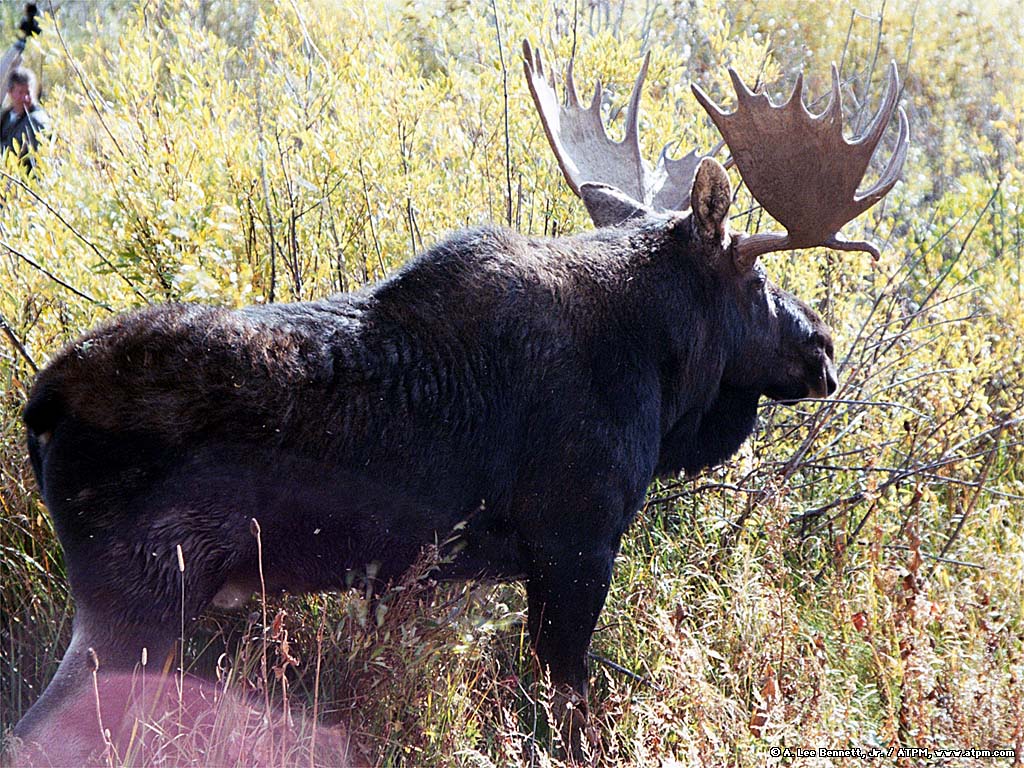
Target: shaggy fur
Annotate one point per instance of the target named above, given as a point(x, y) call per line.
point(510, 396)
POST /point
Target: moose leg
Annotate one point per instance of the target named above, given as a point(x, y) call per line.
point(129, 603)
point(565, 596)
point(66, 724)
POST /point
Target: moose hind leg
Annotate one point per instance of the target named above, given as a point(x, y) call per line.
point(88, 693)
point(131, 598)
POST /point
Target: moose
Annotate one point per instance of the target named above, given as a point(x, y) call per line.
point(514, 395)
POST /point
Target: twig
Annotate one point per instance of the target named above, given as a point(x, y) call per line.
point(973, 503)
point(963, 246)
point(846, 44)
point(871, 67)
point(658, 500)
point(936, 558)
point(623, 671)
point(9, 333)
point(292, 255)
point(108, 745)
point(254, 529)
point(71, 228)
point(307, 38)
point(181, 641)
point(262, 153)
point(846, 401)
point(504, 91)
point(369, 218)
point(41, 268)
point(910, 45)
point(575, 20)
point(899, 476)
point(402, 138)
point(316, 679)
point(85, 85)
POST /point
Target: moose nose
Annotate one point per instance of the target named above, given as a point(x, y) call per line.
point(825, 382)
point(829, 375)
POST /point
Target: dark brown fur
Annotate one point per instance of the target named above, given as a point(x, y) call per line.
point(528, 389)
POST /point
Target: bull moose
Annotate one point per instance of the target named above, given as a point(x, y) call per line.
point(516, 393)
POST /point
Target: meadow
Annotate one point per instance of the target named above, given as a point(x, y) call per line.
point(853, 578)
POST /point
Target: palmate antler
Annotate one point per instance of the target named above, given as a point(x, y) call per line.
point(585, 153)
point(797, 165)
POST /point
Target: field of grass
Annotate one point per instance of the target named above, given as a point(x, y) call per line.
point(853, 578)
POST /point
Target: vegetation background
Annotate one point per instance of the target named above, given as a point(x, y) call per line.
point(853, 578)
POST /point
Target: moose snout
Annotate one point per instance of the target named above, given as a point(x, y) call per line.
point(826, 383)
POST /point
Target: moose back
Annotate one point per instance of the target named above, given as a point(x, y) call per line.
point(511, 395)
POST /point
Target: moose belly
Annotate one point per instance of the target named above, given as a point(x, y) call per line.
point(282, 522)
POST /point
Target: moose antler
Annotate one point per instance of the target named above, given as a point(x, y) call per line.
point(586, 154)
point(801, 169)
point(797, 165)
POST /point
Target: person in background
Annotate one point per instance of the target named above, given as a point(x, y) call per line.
point(22, 120)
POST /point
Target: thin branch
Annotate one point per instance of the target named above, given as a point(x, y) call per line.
point(504, 92)
point(369, 218)
point(963, 246)
point(918, 470)
point(936, 558)
point(844, 401)
point(682, 494)
point(85, 85)
point(973, 503)
point(262, 153)
point(307, 38)
point(623, 671)
point(71, 228)
point(871, 66)
point(31, 262)
point(9, 333)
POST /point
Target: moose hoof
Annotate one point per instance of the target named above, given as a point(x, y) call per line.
point(580, 737)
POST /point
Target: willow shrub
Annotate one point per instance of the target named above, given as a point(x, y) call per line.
point(851, 578)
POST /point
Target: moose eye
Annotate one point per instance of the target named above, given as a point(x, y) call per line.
point(820, 340)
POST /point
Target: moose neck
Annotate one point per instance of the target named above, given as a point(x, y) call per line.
point(690, 323)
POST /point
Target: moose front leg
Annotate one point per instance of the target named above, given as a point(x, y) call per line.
point(565, 593)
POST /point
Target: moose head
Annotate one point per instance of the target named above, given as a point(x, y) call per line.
point(798, 166)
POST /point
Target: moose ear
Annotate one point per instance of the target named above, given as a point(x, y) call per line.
point(710, 199)
point(609, 205)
